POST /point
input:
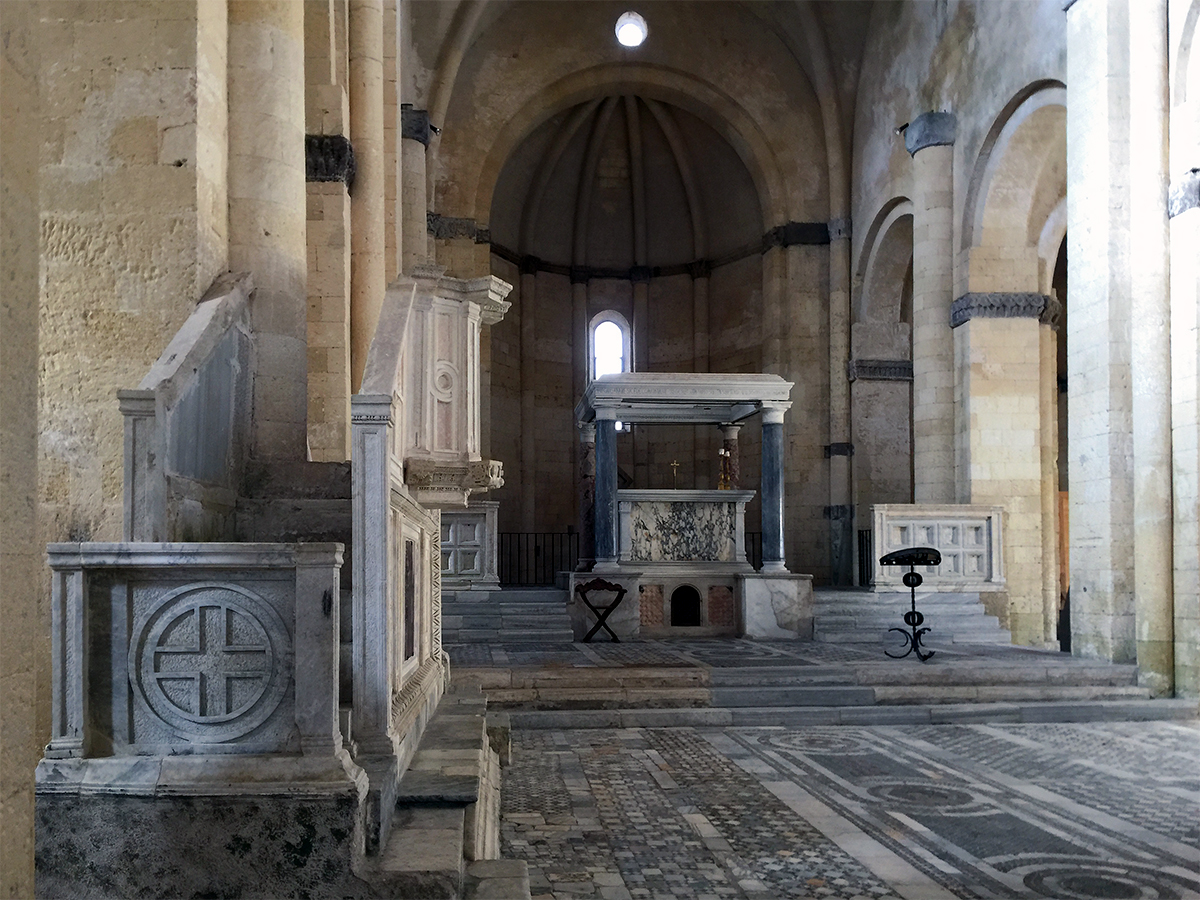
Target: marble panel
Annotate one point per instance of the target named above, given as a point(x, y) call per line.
point(777, 606)
point(682, 526)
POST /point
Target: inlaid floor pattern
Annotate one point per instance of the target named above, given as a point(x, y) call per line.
point(922, 812)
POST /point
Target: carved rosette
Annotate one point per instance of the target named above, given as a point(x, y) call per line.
point(211, 661)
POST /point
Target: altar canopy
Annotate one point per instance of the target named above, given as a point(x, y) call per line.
point(681, 399)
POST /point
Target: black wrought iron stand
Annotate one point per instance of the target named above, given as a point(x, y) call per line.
point(912, 557)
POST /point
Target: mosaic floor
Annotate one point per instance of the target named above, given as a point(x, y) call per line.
point(1107, 810)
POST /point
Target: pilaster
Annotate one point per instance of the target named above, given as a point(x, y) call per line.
point(998, 372)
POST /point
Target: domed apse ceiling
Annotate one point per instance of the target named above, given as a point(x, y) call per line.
point(621, 182)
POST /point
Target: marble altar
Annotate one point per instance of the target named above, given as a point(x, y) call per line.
point(688, 546)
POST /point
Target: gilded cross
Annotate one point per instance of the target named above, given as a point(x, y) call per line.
point(675, 474)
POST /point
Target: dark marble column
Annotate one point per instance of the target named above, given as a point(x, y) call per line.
point(606, 492)
point(772, 491)
point(587, 496)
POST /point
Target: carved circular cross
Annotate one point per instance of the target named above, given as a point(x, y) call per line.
point(212, 661)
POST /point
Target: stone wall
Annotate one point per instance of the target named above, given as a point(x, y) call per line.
point(24, 650)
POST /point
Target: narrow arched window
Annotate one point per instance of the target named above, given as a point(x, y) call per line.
point(609, 345)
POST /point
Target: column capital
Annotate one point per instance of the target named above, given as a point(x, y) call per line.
point(1000, 305)
point(329, 157)
point(729, 430)
point(772, 413)
point(931, 129)
point(587, 432)
point(414, 124)
point(1185, 193)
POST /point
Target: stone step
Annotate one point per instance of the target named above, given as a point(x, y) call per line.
point(905, 694)
point(424, 854)
point(511, 606)
point(457, 621)
point(490, 879)
point(889, 619)
point(533, 595)
point(931, 641)
point(508, 636)
point(793, 695)
point(926, 714)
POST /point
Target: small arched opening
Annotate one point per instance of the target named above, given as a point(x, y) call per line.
point(685, 607)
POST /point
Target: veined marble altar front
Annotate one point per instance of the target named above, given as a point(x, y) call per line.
point(680, 554)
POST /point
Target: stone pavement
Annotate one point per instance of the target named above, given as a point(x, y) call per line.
point(920, 812)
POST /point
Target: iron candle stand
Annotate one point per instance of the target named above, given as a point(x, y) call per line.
point(912, 557)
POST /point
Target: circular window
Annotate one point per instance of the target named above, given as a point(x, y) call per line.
point(631, 29)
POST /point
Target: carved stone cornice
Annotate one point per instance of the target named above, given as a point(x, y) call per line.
point(449, 483)
point(999, 305)
point(879, 370)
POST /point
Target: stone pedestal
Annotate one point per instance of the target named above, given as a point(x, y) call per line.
point(776, 606)
point(195, 724)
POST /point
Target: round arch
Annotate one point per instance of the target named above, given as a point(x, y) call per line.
point(884, 262)
point(1004, 205)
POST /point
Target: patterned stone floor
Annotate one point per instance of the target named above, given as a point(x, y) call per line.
point(1105, 810)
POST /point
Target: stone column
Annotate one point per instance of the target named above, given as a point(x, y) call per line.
point(729, 443)
point(1099, 232)
point(704, 476)
point(587, 496)
point(772, 490)
point(414, 231)
point(998, 355)
point(1185, 398)
point(267, 211)
point(368, 244)
point(640, 348)
point(1184, 211)
point(841, 447)
point(930, 140)
point(1150, 343)
point(1048, 446)
point(527, 308)
point(606, 491)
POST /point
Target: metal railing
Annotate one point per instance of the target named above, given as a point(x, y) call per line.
point(529, 558)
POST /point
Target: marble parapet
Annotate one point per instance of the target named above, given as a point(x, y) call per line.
point(968, 537)
point(174, 648)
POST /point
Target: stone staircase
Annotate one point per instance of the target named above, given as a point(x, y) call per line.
point(508, 616)
point(864, 617)
point(445, 836)
point(1009, 685)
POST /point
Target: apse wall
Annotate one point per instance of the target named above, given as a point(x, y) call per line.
point(595, 205)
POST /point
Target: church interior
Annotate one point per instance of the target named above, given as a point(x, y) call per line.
point(315, 312)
